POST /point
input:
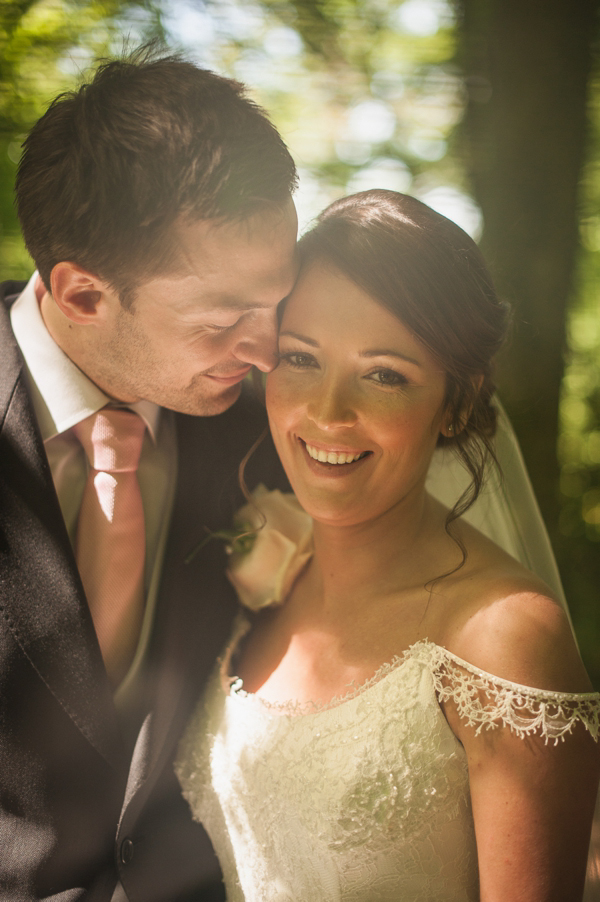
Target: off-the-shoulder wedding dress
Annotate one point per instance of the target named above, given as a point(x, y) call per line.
point(366, 798)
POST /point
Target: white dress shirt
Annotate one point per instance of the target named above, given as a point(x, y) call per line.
point(62, 396)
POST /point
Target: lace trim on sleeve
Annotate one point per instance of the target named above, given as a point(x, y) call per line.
point(487, 702)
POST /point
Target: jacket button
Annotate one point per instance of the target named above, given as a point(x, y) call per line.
point(126, 852)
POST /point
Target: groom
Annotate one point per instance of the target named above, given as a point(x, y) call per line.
point(156, 204)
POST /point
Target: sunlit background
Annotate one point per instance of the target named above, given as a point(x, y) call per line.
point(366, 93)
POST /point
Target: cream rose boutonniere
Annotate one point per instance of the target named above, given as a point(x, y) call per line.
point(264, 570)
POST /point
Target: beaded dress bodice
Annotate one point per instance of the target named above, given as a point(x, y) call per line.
point(365, 799)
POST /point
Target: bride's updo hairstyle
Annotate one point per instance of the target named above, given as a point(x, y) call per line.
point(429, 274)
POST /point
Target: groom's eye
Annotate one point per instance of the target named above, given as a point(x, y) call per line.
point(221, 327)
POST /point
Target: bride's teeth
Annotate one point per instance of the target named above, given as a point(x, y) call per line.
point(333, 457)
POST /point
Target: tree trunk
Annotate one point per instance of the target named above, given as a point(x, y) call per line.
point(527, 65)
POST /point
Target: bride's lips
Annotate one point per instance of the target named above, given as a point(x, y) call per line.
point(334, 461)
point(231, 378)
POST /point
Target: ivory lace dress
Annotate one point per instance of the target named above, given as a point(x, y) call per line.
point(365, 799)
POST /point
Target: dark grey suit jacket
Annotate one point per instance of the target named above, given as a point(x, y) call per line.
point(77, 812)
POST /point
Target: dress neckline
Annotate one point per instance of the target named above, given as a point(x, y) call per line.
point(423, 649)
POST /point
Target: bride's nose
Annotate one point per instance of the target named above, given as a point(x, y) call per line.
point(331, 405)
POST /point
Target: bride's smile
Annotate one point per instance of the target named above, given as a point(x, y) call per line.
point(356, 403)
point(330, 456)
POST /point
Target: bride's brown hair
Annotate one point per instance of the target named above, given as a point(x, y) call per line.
point(430, 274)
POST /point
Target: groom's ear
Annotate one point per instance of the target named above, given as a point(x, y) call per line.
point(79, 294)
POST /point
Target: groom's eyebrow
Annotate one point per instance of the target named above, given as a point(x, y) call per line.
point(237, 304)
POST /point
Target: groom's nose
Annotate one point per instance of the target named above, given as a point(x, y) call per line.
point(258, 342)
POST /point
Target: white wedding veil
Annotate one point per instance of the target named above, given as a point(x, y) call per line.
point(506, 511)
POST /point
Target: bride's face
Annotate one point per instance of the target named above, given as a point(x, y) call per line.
point(355, 404)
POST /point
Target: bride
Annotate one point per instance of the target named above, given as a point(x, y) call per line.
point(406, 716)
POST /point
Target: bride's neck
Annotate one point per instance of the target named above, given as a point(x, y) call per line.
point(389, 550)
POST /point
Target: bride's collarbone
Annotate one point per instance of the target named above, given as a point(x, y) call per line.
point(310, 656)
point(372, 625)
point(311, 648)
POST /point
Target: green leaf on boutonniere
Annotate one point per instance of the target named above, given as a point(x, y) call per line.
point(237, 541)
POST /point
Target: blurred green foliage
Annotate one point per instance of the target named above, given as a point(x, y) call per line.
point(369, 95)
point(579, 440)
point(44, 46)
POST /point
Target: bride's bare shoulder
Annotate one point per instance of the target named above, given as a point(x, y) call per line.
point(506, 621)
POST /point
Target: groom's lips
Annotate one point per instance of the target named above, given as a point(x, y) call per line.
point(230, 378)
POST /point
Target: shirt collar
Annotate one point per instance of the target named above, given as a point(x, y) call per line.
point(64, 395)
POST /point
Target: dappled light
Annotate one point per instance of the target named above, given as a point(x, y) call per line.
point(379, 94)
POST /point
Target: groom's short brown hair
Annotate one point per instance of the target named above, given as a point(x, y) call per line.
point(109, 168)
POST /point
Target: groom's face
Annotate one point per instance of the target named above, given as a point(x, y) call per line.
point(189, 338)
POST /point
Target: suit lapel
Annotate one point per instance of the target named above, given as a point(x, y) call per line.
point(41, 596)
point(196, 602)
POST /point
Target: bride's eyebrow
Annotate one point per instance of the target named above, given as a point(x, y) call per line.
point(387, 352)
point(372, 352)
point(299, 337)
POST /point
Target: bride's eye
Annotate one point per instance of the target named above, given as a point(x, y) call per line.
point(298, 359)
point(388, 377)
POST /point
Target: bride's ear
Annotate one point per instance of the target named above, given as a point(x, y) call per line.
point(455, 421)
point(447, 429)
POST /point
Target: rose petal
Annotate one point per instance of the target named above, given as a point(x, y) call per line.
point(264, 575)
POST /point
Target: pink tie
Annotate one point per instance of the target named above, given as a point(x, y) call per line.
point(111, 541)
